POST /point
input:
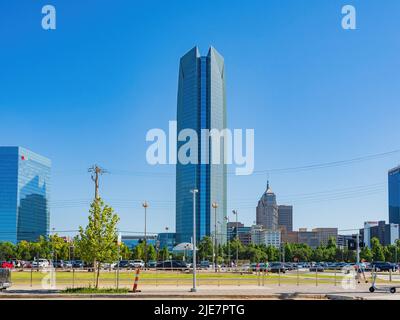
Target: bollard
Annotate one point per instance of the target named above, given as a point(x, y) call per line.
point(73, 278)
point(335, 278)
point(135, 284)
point(279, 276)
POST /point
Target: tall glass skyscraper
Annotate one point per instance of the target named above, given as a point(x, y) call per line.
point(201, 105)
point(24, 195)
point(394, 195)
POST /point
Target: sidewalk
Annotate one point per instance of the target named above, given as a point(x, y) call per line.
point(324, 292)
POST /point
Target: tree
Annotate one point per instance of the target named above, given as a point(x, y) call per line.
point(138, 251)
point(377, 250)
point(7, 250)
point(163, 254)
point(205, 248)
point(124, 252)
point(59, 247)
point(151, 253)
point(98, 241)
point(23, 250)
point(366, 254)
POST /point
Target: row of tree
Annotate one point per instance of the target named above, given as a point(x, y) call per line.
point(55, 247)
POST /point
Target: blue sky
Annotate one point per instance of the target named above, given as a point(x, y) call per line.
point(89, 91)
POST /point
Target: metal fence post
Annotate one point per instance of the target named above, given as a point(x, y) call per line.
point(31, 276)
point(73, 277)
point(335, 278)
point(298, 275)
point(390, 275)
point(279, 276)
point(316, 277)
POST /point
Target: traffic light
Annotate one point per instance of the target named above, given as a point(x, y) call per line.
point(352, 244)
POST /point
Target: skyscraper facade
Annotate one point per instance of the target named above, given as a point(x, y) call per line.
point(267, 210)
point(394, 195)
point(24, 195)
point(201, 105)
point(285, 217)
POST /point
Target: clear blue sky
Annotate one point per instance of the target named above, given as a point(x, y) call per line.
point(90, 90)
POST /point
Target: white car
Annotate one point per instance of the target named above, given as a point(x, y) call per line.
point(138, 263)
point(41, 263)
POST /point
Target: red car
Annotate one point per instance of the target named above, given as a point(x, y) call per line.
point(6, 265)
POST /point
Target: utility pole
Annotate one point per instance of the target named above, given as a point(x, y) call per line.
point(358, 246)
point(237, 236)
point(229, 243)
point(194, 191)
point(96, 171)
point(145, 206)
point(215, 250)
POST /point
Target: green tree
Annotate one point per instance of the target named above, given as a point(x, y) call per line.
point(138, 251)
point(98, 241)
point(164, 253)
point(377, 250)
point(124, 252)
point(366, 254)
point(151, 253)
point(59, 247)
point(23, 250)
point(205, 248)
point(7, 251)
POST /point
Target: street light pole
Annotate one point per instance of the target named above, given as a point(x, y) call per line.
point(194, 191)
point(215, 251)
point(145, 206)
point(229, 244)
point(237, 236)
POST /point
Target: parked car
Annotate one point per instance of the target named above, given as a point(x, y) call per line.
point(58, 264)
point(123, 264)
point(41, 263)
point(205, 264)
point(138, 264)
point(68, 264)
point(78, 264)
point(277, 267)
point(5, 279)
point(6, 265)
point(317, 268)
point(172, 265)
point(383, 266)
point(151, 264)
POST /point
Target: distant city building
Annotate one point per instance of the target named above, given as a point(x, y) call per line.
point(285, 217)
point(386, 233)
point(313, 238)
point(260, 235)
point(24, 195)
point(367, 232)
point(242, 232)
point(201, 105)
point(324, 234)
point(166, 239)
point(267, 210)
point(342, 241)
point(131, 241)
point(394, 195)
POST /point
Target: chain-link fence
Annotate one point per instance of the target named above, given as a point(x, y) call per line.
point(122, 278)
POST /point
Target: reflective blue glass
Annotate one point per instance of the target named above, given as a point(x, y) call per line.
point(394, 195)
point(24, 195)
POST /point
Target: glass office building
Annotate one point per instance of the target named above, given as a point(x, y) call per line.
point(24, 195)
point(394, 195)
point(201, 105)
